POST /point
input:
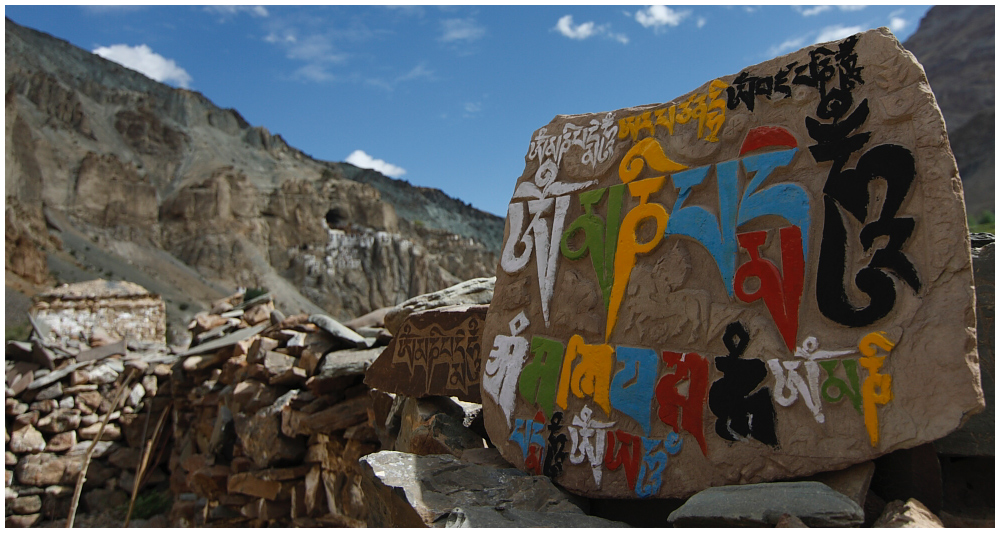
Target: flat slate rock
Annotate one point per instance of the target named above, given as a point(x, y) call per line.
point(765, 278)
point(405, 490)
point(228, 340)
point(434, 353)
point(343, 334)
point(763, 504)
point(341, 368)
point(477, 291)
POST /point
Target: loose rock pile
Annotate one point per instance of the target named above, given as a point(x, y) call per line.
point(60, 392)
point(271, 419)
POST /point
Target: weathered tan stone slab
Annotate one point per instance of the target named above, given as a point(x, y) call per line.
point(435, 352)
point(765, 278)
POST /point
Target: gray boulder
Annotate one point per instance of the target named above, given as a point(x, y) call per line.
point(763, 504)
point(405, 490)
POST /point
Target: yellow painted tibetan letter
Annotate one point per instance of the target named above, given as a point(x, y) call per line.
point(883, 382)
point(591, 376)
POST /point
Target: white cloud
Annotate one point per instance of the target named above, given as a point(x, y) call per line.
point(417, 72)
point(461, 30)
point(315, 49)
point(142, 59)
point(811, 11)
point(316, 53)
point(228, 11)
point(897, 24)
point(275, 39)
point(580, 31)
point(790, 44)
point(110, 9)
point(471, 109)
point(360, 159)
point(837, 32)
point(816, 10)
point(620, 37)
point(587, 30)
point(313, 72)
point(701, 22)
point(659, 16)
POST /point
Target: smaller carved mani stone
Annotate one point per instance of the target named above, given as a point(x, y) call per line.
point(435, 352)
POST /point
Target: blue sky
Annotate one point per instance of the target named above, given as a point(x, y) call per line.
point(449, 96)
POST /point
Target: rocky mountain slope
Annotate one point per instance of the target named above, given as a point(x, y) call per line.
point(111, 174)
point(957, 47)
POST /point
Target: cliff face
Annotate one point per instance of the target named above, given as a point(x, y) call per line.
point(152, 175)
point(957, 47)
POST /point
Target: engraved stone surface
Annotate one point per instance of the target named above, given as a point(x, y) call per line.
point(763, 279)
point(434, 353)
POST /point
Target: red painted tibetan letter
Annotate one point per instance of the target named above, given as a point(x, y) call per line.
point(693, 368)
point(629, 454)
point(781, 291)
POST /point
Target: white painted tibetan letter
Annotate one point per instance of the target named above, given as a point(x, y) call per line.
point(504, 365)
point(588, 438)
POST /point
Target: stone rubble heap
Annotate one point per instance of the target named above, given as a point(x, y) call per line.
point(59, 391)
point(271, 419)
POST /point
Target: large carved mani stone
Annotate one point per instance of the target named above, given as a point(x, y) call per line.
point(435, 352)
point(765, 278)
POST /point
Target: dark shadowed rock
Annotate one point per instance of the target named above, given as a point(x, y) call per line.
point(977, 437)
point(261, 437)
point(852, 481)
point(763, 504)
point(434, 425)
point(340, 416)
point(910, 473)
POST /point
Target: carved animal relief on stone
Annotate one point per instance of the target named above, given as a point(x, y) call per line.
point(765, 278)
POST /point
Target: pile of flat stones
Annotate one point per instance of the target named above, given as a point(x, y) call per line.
point(271, 419)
